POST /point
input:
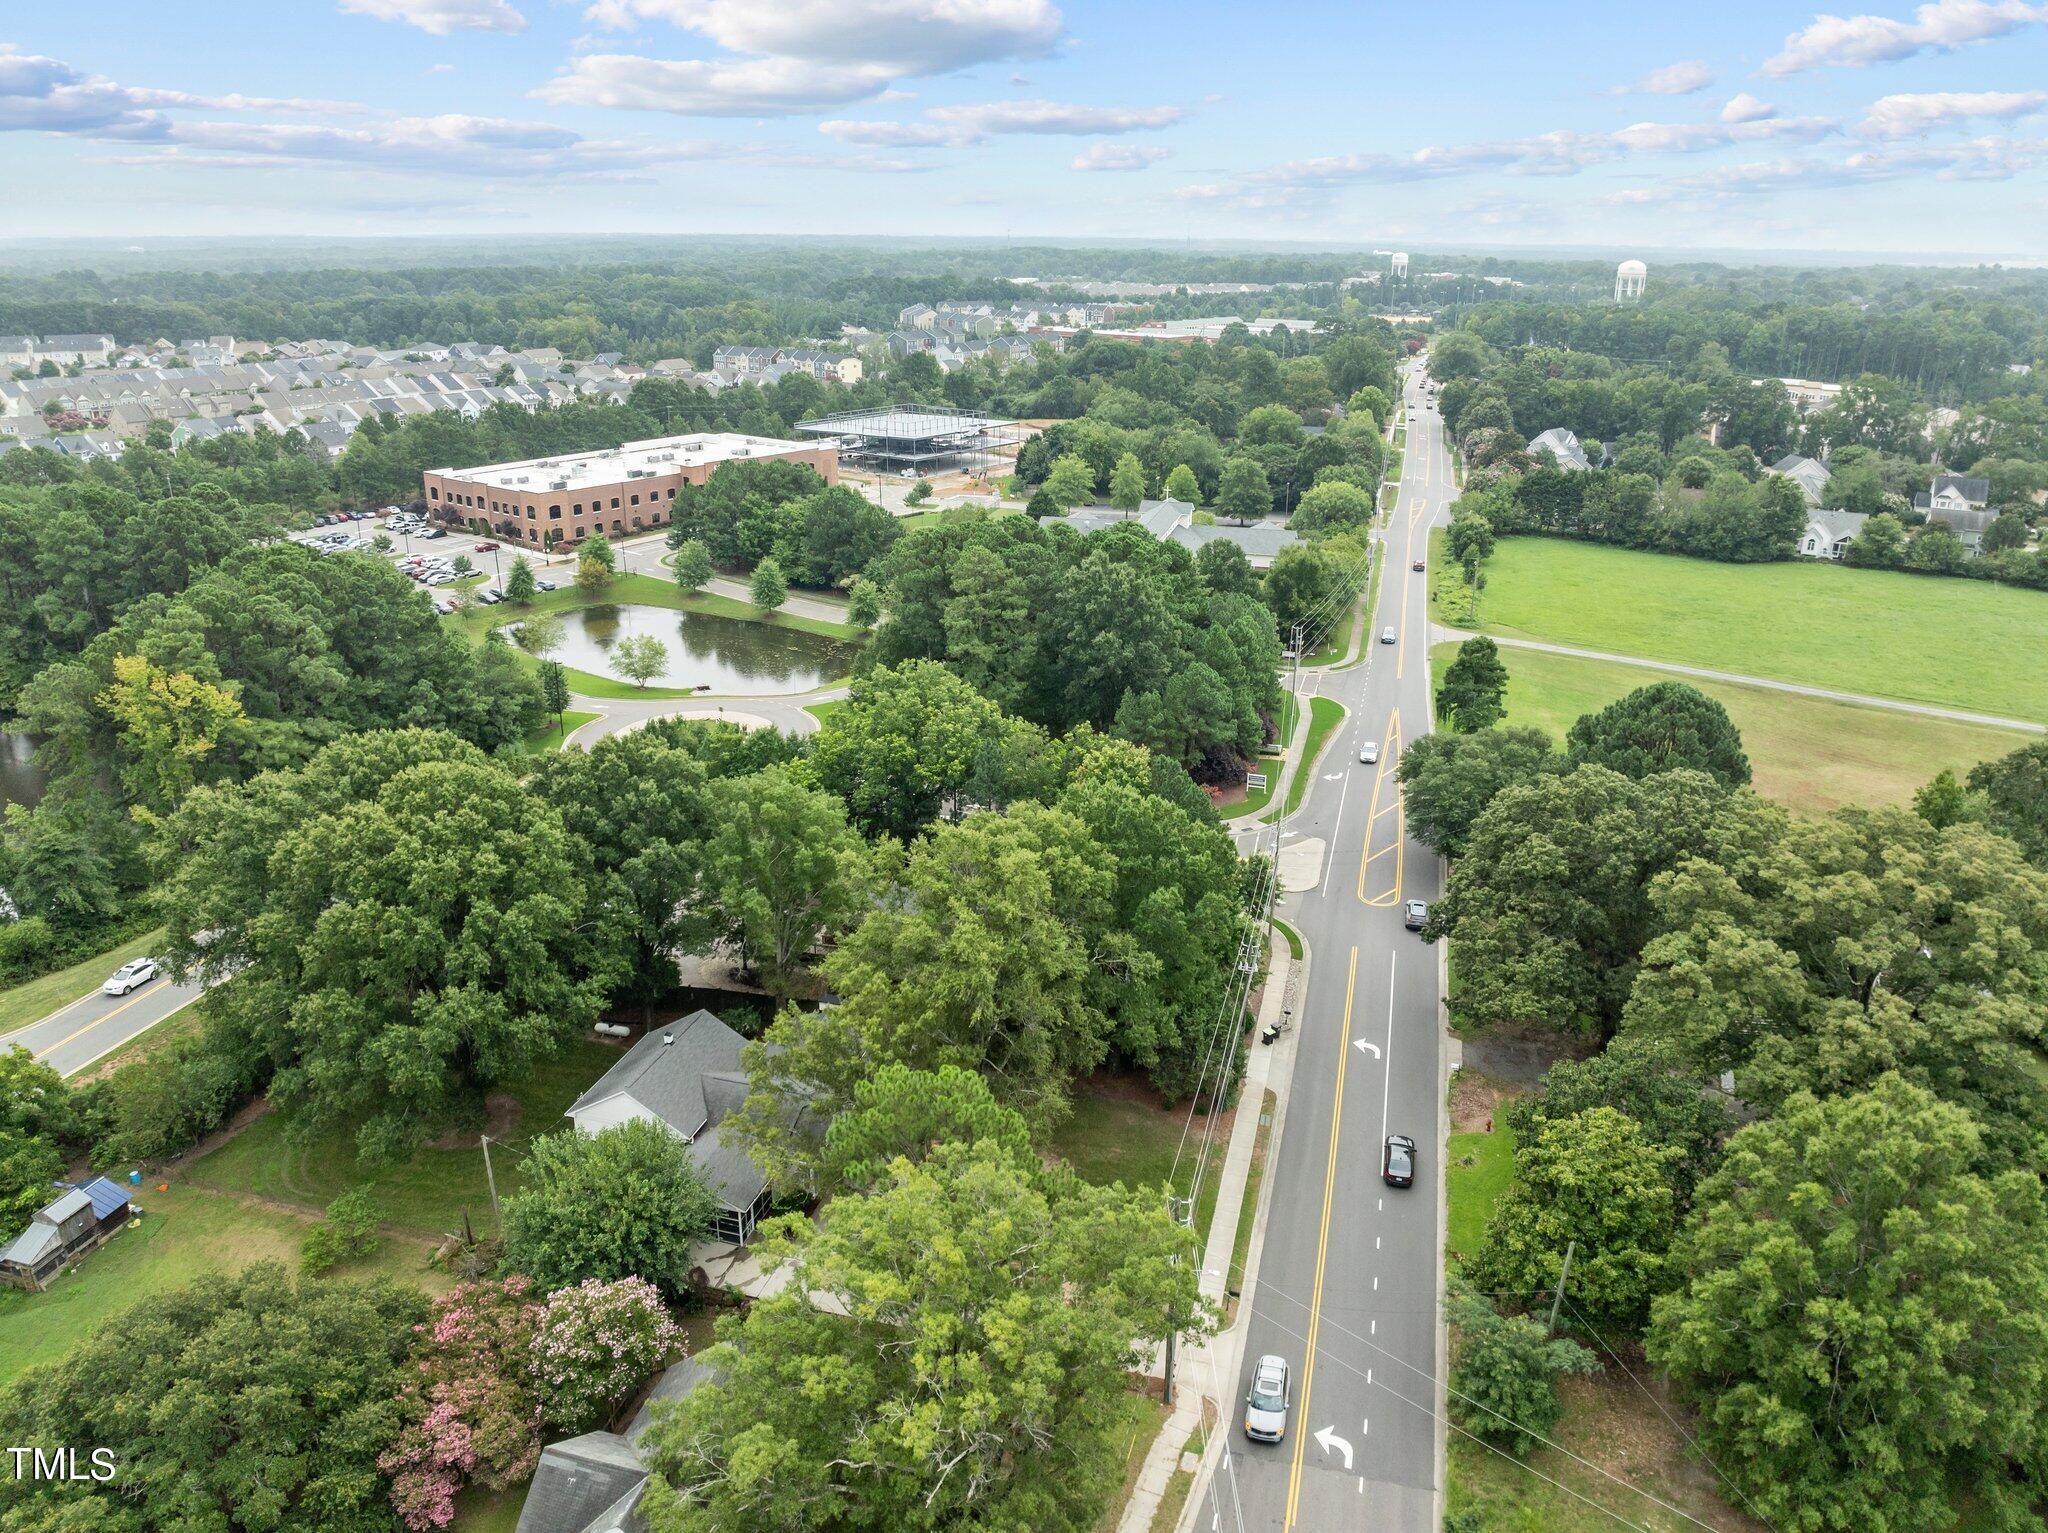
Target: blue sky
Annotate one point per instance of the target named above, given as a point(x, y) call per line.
point(1651, 125)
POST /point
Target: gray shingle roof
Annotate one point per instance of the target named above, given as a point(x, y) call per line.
point(579, 1481)
point(32, 1244)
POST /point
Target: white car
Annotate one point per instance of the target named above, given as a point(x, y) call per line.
point(132, 975)
point(1266, 1402)
point(1369, 752)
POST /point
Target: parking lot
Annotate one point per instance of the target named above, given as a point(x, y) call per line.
point(426, 553)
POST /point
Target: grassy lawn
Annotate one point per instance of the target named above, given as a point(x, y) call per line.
point(35, 999)
point(1926, 639)
point(1811, 754)
point(428, 1192)
point(489, 1511)
point(1143, 1419)
point(1118, 1132)
point(825, 710)
point(1293, 940)
point(552, 736)
point(1476, 1173)
point(186, 1234)
point(1241, 1245)
point(1324, 715)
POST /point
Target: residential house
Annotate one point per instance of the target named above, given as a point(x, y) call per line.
point(62, 1231)
point(1562, 444)
point(593, 1483)
point(1829, 533)
point(918, 316)
point(64, 350)
point(1959, 502)
point(1810, 474)
point(1173, 521)
point(17, 350)
point(688, 1078)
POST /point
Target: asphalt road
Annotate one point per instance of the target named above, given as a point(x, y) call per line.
point(1346, 1280)
point(93, 1026)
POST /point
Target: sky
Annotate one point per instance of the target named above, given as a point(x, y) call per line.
point(1651, 126)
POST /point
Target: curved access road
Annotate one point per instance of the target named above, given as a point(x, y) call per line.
point(93, 1026)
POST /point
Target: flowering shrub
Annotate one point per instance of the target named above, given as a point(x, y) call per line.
point(469, 1411)
point(594, 1346)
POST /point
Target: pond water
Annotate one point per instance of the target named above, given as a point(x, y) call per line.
point(717, 654)
point(21, 780)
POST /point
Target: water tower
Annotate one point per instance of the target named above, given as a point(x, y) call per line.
point(1629, 278)
point(1397, 262)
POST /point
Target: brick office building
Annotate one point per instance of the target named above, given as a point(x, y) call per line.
point(559, 501)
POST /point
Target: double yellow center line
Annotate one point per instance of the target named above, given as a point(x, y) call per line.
point(1315, 1306)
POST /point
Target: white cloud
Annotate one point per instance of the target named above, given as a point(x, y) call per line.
point(1119, 156)
point(768, 87)
point(1672, 80)
point(1743, 107)
point(440, 69)
point(1983, 159)
point(38, 93)
point(958, 126)
point(440, 17)
point(1561, 153)
point(908, 37)
point(1851, 42)
point(1912, 114)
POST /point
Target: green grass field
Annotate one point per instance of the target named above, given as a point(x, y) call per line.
point(428, 1192)
point(35, 999)
point(552, 736)
point(1926, 639)
point(1811, 754)
point(1324, 715)
point(186, 1234)
point(1118, 1132)
point(1476, 1172)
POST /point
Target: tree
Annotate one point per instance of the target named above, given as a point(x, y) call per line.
point(864, 604)
point(597, 564)
point(979, 960)
point(782, 869)
point(1504, 1373)
point(1334, 503)
point(1243, 492)
point(920, 493)
point(639, 658)
point(768, 589)
point(1225, 569)
point(1042, 504)
point(1127, 483)
point(1936, 550)
point(901, 1114)
point(692, 564)
point(167, 723)
point(520, 587)
point(1474, 691)
point(1447, 780)
point(1944, 801)
point(627, 1201)
point(1664, 727)
point(463, 564)
point(1182, 485)
point(1071, 482)
point(595, 1345)
point(2008, 531)
point(981, 1389)
point(170, 1390)
point(349, 1231)
point(2015, 789)
point(1591, 1180)
point(1858, 1319)
point(554, 689)
point(909, 737)
point(1880, 545)
point(540, 635)
point(1654, 1083)
point(1549, 907)
point(408, 928)
point(29, 1168)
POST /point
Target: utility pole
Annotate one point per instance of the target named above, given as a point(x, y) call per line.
point(1179, 1210)
point(1562, 1278)
point(485, 1139)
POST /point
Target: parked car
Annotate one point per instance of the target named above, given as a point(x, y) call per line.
point(434, 532)
point(132, 975)
point(1414, 915)
point(485, 548)
point(490, 598)
point(1397, 1161)
point(1369, 752)
point(543, 585)
point(1267, 1401)
point(1386, 635)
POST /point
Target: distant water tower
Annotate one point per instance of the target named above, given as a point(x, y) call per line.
point(1629, 278)
point(1400, 263)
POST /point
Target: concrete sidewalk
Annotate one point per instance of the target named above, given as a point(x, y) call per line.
point(1208, 1370)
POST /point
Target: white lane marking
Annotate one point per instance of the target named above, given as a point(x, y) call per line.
point(1330, 859)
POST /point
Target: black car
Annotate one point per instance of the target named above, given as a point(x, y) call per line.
point(1397, 1161)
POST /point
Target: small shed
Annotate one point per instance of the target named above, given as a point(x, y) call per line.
point(63, 1230)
